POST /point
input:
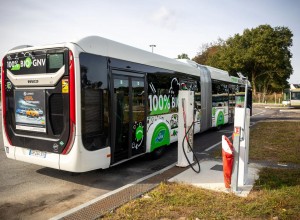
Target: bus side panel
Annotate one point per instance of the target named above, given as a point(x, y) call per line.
point(295, 103)
point(81, 160)
point(48, 159)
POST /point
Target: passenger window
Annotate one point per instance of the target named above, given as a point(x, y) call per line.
point(219, 94)
point(94, 101)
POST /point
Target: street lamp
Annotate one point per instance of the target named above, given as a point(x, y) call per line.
point(152, 45)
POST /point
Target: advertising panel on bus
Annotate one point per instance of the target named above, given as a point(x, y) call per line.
point(30, 110)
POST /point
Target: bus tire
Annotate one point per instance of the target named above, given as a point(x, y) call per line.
point(218, 128)
point(157, 153)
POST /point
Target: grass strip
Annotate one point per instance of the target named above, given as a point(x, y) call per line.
point(273, 197)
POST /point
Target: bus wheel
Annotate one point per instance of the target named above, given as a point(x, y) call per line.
point(218, 128)
point(157, 153)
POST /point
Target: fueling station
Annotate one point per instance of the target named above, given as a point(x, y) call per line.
point(233, 174)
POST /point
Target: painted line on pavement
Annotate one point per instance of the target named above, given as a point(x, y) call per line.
point(212, 147)
point(259, 113)
point(215, 145)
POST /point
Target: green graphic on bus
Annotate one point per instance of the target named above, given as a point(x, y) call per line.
point(160, 137)
point(161, 104)
point(16, 67)
point(220, 119)
point(28, 62)
point(213, 111)
point(139, 133)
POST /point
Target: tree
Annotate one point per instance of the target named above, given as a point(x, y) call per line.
point(183, 56)
point(208, 51)
point(261, 53)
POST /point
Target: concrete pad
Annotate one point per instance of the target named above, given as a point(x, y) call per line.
point(212, 179)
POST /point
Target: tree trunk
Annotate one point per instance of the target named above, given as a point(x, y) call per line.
point(265, 86)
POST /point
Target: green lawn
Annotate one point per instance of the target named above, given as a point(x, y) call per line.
point(276, 141)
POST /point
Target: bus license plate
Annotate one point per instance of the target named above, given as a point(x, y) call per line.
point(37, 153)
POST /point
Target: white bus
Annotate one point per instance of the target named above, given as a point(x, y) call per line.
point(94, 103)
point(291, 96)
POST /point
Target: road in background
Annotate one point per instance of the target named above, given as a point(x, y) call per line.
point(33, 192)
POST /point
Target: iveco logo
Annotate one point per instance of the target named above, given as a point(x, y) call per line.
point(33, 81)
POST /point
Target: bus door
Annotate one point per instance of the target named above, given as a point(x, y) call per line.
point(128, 116)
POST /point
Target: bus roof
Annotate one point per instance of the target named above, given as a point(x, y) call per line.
point(109, 48)
point(215, 72)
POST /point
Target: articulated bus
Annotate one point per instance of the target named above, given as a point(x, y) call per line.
point(291, 96)
point(94, 103)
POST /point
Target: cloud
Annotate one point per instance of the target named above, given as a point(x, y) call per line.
point(165, 18)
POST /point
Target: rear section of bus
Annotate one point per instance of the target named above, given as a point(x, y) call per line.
point(38, 104)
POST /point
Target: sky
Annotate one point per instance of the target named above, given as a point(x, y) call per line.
point(174, 26)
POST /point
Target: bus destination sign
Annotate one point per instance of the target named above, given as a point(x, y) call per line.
point(26, 64)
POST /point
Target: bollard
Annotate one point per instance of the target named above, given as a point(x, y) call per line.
point(227, 156)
